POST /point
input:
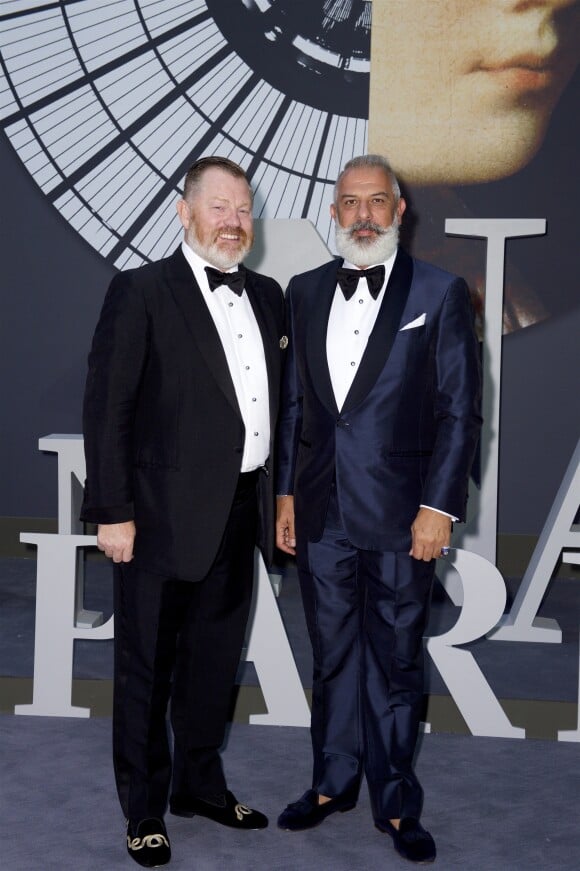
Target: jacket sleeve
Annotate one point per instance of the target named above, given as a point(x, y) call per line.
point(290, 418)
point(116, 363)
point(457, 398)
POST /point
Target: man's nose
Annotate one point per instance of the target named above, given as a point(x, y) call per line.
point(363, 212)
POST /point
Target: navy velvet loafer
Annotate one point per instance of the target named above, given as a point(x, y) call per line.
point(410, 840)
point(223, 809)
point(147, 842)
point(307, 813)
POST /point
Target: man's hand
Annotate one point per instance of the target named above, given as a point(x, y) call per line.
point(116, 540)
point(285, 535)
point(431, 531)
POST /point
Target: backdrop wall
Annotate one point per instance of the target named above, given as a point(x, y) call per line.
point(105, 105)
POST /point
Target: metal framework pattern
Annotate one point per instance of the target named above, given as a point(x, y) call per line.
point(107, 104)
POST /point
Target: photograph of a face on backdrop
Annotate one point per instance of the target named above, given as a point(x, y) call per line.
point(475, 102)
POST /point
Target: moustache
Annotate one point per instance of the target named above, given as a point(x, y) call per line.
point(366, 225)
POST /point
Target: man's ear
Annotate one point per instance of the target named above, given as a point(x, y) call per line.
point(401, 206)
point(333, 211)
point(184, 212)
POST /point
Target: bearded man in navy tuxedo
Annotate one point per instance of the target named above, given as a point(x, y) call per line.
point(179, 414)
point(378, 428)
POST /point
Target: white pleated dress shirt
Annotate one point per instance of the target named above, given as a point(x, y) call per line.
point(241, 339)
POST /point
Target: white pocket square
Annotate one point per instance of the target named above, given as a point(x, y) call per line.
point(418, 322)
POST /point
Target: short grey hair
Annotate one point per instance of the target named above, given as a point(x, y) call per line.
point(371, 160)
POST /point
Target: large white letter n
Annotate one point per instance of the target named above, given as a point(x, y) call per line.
point(55, 629)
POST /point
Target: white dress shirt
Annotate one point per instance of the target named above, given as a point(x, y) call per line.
point(241, 339)
point(350, 324)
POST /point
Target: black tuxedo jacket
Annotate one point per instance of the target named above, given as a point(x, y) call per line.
point(162, 427)
point(408, 429)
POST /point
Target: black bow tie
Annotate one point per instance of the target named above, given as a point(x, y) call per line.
point(236, 281)
point(349, 278)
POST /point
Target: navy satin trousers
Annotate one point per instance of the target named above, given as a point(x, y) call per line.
point(366, 613)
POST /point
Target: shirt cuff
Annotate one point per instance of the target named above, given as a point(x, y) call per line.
point(438, 510)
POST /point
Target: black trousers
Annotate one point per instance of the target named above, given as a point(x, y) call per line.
point(180, 642)
point(366, 613)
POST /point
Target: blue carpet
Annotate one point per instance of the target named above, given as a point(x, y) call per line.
point(491, 804)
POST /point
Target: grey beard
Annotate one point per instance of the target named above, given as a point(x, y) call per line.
point(366, 253)
point(214, 255)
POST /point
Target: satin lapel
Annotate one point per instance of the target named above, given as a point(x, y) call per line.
point(384, 331)
point(189, 299)
point(270, 338)
point(317, 326)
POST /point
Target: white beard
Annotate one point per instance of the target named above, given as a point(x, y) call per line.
point(367, 251)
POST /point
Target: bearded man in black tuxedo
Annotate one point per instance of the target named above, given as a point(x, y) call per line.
point(179, 414)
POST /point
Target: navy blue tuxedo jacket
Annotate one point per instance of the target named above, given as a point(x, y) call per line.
point(162, 426)
point(408, 429)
